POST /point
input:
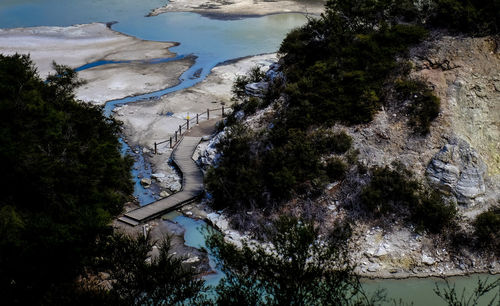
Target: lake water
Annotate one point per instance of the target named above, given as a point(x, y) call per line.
point(213, 42)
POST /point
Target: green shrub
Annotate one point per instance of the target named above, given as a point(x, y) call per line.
point(251, 106)
point(328, 142)
point(236, 180)
point(335, 168)
point(390, 189)
point(254, 75)
point(423, 105)
point(472, 17)
point(432, 213)
point(487, 229)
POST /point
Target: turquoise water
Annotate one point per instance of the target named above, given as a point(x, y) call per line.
point(30, 13)
point(420, 291)
point(194, 236)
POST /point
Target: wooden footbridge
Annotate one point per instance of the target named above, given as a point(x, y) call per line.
point(192, 176)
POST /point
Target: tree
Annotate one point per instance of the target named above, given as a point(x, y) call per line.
point(487, 229)
point(63, 179)
point(297, 267)
point(139, 279)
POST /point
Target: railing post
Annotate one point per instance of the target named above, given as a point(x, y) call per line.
point(197, 119)
point(175, 136)
point(170, 142)
point(155, 147)
point(180, 130)
point(208, 114)
point(187, 124)
point(222, 111)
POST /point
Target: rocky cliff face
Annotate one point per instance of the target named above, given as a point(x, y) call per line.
point(461, 155)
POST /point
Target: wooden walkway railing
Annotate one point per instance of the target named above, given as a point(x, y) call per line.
point(192, 176)
point(192, 185)
point(190, 122)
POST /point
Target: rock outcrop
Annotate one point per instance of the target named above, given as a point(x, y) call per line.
point(459, 169)
point(258, 89)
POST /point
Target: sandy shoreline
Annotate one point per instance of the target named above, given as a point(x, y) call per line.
point(78, 45)
point(221, 9)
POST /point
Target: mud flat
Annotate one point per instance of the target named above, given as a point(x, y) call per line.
point(78, 45)
point(153, 121)
point(240, 8)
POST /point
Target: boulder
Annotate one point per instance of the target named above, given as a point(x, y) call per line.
point(427, 260)
point(145, 182)
point(258, 89)
point(158, 175)
point(274, 72)
point(174, 186)
point(458, 168)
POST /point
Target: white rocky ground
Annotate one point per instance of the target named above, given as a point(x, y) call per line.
point(147, 122)
point(153, 121)
point(78, 45)
point(221, 8)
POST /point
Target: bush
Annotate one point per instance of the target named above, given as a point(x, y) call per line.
point(328, 142)
point(335, 169)
point(395, 190)
point(423, 105)
point(236, 180)
point(251, 106)
point(432, 213)
point(471, 17)
point(487, 229)
point(254, 75)
point(389, 190)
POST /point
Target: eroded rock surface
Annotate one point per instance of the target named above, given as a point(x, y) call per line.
point(459, 169)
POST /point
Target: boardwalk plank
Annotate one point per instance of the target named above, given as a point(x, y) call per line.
point(192, 180)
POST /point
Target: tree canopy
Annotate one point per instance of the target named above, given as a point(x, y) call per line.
point(297, 267)
point(63, 179)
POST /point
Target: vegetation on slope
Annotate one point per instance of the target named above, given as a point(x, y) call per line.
point(395, 191)
point(63, 178)
point(299, 268)
point(340, 68)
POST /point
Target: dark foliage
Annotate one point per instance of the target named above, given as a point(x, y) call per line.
point(487, 229)
point(336, 66)
point(163, 281)
point(423, 105)
point(301, 270)
point(255, 75)
point(63, 179)
point(255, 173)
point(476, 17)
point(236, 179)
point(327, 142)
point(396, 191)
point(389, 190)
point(432, 213)
point(335, 169)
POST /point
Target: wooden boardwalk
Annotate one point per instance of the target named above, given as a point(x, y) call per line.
point(192, 185)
